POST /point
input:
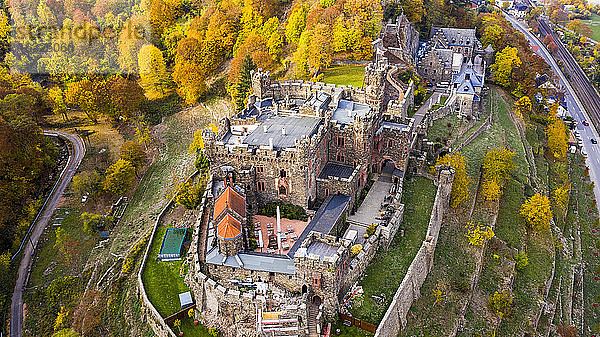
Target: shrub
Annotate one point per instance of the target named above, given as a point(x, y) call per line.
point(135, 251)
point(522, 260)
point(288, 211)
point(371, 229)
point(501, 303)
point(213, 332)
point(355, 250)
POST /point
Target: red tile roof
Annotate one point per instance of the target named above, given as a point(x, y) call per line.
point(230, 199)
point(229, 228)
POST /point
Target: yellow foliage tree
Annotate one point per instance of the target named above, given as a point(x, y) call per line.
point(491, 190)
point(154, 78)
point(506, 61)
point(537, 212)
point(478, 233)
point(556, 133)
point(522, 107)
point(561, 198)
point(460, 186)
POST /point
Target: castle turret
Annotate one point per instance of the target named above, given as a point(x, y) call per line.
point(261, 84)
point(375, 82)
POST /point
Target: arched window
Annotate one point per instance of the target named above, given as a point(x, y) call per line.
point(340, 157)
point(282, 190)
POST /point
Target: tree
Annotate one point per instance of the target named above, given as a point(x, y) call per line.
point(133, 153)
point(177, 324)
point(119, 177)
point(355, 250)
point(129, 44)
point(521, 259)
point(491, 190)
point(497, 165)
point(243, 87)
point(579, 27)
point(92, 96)
point(202, 164)
point(492, 35)
point(296, 23)
point(142, 133)
point(537, 212)
point(556, 133)
point(126, 96)
point(190, 193)
point(57, 102)
point(188, 73)
point(522, 107)
point(154, 78)
point(561, 198)
point(460, 186)
point(506, 61)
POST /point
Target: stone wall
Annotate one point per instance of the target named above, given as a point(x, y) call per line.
point(410, 289)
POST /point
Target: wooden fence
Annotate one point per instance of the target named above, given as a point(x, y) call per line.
point(358, 323)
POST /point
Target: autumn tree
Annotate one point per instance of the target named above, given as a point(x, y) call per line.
point(579, 27)
point(478, 233)
point(537, 212)
point(501, 303)
point(492, 35)
point(87, 182)
point(132, 152)
point(126, 96)
point(506, 61)
point(497, 165)
point(129, 44)
point(57, 102)
point(92, 96)
point(460, 186)
point(154, 78)
point(522, 107)
point(296, 23)
point(188, 73)
point(556, 134)
point(561, 198)
point(119, 177)
point(190, 193)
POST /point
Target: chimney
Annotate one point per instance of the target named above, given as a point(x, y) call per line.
point(271, 143)
point(349, 113)
point(283, 131)
point(265, 128)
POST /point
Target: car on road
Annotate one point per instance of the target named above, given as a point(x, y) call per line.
point(593, 140)
point(84, 199)
point(585, 123)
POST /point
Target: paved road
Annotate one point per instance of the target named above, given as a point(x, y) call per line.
point(76, 153)
point(575, 107)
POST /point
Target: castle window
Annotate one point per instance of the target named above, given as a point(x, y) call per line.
point(340, 157)
point(316, 282)
point(260, 186)
point(282, 173)
point(326, 192)
point(390, 143)
point(260, 169)
point(365, 147)
point(340, 141)
point(282, 190)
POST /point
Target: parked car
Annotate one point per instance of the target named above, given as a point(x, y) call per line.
point(84, 199)
point(585, 123)
point(583, 153)
point(593, 140)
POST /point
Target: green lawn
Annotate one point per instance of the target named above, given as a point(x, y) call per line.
point(345, 75)
point(387, 269)
point(162, 280)
point(348, 331)
point(594, 24)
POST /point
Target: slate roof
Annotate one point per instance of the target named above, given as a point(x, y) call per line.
point(295, 127)
point(445, 55)
point(457, 36)
point(467, 80)
point(336, 170)
point(253, 261)
point(324, 220)
point(346, 110)
point(319, 101)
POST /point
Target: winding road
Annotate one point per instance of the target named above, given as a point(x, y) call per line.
point(76, 153)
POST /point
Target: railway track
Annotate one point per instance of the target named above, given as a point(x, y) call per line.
point(581, 83)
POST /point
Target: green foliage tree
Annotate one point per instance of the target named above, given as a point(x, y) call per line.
point(243, 87)
point(119, 177)
point(57, 102)
point(201, 163)
point(87, 182)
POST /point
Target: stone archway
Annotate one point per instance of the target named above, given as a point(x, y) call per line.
point(316, 300)
point(304, 289)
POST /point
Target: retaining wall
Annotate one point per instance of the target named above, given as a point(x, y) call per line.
point(410, 289)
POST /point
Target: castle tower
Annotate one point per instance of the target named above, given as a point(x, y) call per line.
point(261, 84)
point(375, 82)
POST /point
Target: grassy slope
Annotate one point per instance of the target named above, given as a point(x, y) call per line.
point(594, 24)
point(387, 269)
point(345, 75)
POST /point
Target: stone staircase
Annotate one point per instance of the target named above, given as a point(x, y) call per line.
point(312, 321)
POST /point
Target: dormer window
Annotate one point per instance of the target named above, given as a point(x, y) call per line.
point(467, 76)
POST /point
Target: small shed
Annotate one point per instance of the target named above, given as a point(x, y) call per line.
point(185, 299)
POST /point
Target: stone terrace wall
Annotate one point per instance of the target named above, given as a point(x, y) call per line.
point(410, 288)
